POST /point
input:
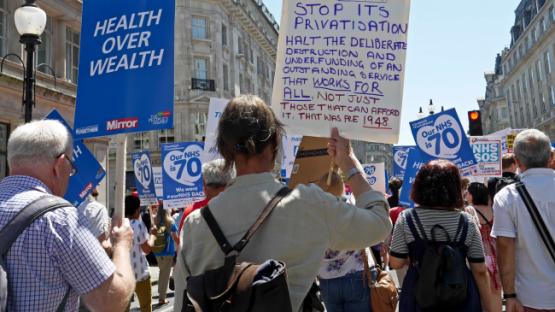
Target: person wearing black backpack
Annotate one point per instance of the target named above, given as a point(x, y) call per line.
point(436, 239)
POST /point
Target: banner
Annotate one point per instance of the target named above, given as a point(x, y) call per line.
point(487, 152)
point(290, 145)
point(507, 137)
point(144, 178)
point(342, 64)
point(126, 67)
point(215, 110)
point(375, 175)
point(414, 163)
point(89, 171)
point(441, 136)
point(400, 156)
point(157, 175)
point(182, 173)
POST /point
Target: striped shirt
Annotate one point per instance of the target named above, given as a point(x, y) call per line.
point(57, 251)
point(402, 234)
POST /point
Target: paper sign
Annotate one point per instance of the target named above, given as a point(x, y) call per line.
point(89, 170)
point(290, 145)
point(182, 173)
point(400, 157)
point(157, 174)
point(414, 163)
point(144, 179)
point(312, 161)
point(342, 64)
point(126, 67)
point(375, 175)
point(507, 137)
point(441, 136)
point(487, 152)
point(215, 110)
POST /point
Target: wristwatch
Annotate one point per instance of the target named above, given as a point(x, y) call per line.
point(353, 171)
point(509, 296)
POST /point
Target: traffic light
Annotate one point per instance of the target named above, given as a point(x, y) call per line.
point(475, 123)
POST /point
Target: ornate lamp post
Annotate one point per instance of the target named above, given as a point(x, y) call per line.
point(30, 21)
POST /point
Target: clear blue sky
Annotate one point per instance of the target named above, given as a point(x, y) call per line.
point(451, 44)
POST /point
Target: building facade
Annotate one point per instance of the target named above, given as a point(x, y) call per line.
point(374, 153)
point(526, 77)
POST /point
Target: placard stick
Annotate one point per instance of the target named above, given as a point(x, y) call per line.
point(121, 141)
point(332, 170)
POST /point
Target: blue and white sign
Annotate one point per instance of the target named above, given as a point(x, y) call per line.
point(400, 157)
point(182, 173)
point(290, 145)
point(441, 136)
point(215, 110)
point(375, 175)
point(144, 178)
point(126, 67)
point(89, 171)
point(414, 163)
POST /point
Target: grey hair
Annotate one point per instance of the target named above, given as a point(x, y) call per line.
point(214, 172)
point(38, 142)
point(532, 148)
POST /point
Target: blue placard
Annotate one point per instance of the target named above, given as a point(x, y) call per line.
point(400, 157)
point(126, 68)
point(441, 136)
point(89, 171)
point(144, 178)
point(414, 163)
point(182, 173)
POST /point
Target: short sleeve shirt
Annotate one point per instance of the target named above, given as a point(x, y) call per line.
point(96, 215)
point(402, 234)
point(138, 259)
point(57, 251)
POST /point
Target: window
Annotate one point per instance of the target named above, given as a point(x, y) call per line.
point(543, 25)
point(226, 78)
point(4, 130)
point(547, 60)
point(199, 27)
point(552, 95)
point(72, 55)
point(141, 141)
point(504, 112)
point(224, 35)
point(241, 86)
point(200, 68)
point(44, 50)
point(239, 45)
point(165, 136)
point(200, 124)
point(552, 10)
point(3, 19)
point(539, 70)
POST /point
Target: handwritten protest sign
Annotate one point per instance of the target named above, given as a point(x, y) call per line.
point(441, 136)
point(414, 163)
point(400, 157)
point(375, 175)
point(215, 109)
point(182, 173)
point(290, 145)
point(158, 188)
point(487, 152)
point(341, 64)
point(144, 178)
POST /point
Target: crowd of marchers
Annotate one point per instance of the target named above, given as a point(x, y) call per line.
point(255, 245)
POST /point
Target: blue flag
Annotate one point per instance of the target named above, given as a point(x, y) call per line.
point(126, 67)
point(414, 163)
point(182, 173)
point(89, 171)
point(400, 157)
point(144, 178)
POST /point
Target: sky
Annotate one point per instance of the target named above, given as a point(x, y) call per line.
point(450, 47)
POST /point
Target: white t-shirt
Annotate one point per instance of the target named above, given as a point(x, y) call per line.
point(138, 259)
point(534, 267)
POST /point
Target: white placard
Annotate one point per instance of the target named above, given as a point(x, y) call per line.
point(290, 145)
point(487, 151)
point(215, 109)
point(341, 64)
point(157, 174)
point(375, 175)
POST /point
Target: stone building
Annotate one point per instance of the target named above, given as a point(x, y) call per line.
point(494, 108)
point(374, 153)
point(525, 78)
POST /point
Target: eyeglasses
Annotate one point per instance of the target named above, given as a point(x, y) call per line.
point(73, 168)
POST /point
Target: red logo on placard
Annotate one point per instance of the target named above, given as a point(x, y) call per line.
point(124, 123)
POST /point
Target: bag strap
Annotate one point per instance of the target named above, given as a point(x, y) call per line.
point(419, 224)
point(238, 247)
point(23, 219)
point(488, 222)
point(537, 219)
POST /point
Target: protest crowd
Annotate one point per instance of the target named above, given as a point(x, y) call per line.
point(254, 244)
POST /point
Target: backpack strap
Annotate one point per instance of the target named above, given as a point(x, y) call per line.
point(488, 222)
point(410, 215)
point(537, 219)
point(238, 247)
point(23, 219)
point(462, 228)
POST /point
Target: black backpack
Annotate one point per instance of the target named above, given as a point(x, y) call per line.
point(443, 280)
point(504, 181)
point(241, 287)
point(14, 228)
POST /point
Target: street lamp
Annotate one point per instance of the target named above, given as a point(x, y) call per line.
point(30, 21)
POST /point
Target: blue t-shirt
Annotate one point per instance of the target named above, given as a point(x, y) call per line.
point(170, 245)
